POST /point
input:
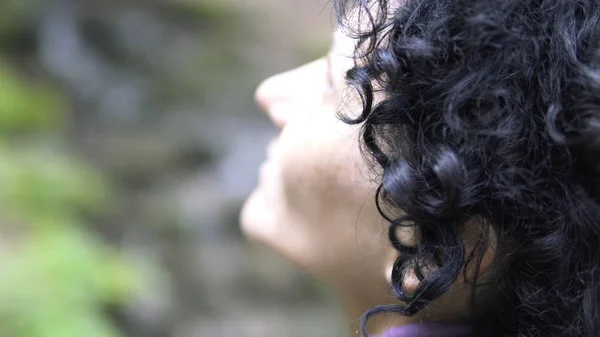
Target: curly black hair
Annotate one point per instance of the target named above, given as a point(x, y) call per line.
point(491, 111)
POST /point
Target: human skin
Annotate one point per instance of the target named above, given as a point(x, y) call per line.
point(315, 200)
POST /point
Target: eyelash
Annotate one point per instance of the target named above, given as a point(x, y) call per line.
point(329, 81)
point(329, 74)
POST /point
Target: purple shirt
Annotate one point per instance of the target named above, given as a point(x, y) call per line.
point(428, 330)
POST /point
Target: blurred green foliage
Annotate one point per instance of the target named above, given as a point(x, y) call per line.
point(26, 106)
point(57, 277)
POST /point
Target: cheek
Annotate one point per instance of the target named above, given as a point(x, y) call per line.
point(338, 234)
point(316, 191)
point(319, 175)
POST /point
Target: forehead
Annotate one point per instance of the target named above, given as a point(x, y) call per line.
point(359, 20)
point(342, 51)
point(342, 43)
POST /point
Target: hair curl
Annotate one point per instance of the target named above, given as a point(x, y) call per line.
point(491, 110)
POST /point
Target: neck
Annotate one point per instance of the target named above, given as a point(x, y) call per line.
point(354, 308)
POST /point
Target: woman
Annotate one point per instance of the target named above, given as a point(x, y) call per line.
point(474, 205)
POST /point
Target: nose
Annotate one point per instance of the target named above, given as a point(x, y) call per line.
point(284, 95)
point(270, 96)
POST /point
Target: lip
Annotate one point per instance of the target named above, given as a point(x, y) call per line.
point(265, 169)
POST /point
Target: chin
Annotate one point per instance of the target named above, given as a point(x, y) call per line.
point(259, 224)
point(258, 220)
point(253, 215)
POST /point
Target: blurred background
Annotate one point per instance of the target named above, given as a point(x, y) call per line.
point(128, 141)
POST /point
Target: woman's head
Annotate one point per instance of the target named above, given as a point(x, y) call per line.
point(314, 202)
point(479, 124)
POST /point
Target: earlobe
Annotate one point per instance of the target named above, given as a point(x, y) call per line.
point(407, 237)
point(479, 240)
point(388, 273)
point(410, 281)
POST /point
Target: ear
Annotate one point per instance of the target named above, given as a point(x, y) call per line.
point(478, 237)
point(411, 282)
point(409, 237)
